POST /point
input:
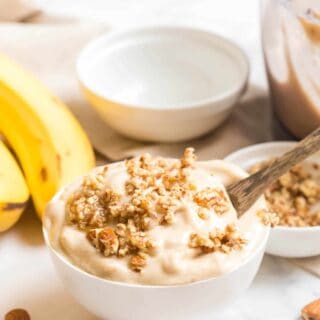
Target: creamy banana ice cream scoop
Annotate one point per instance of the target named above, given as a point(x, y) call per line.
point(155, 221)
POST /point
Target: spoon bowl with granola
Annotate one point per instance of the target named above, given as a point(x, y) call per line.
point(156, 238)
point(295, 198)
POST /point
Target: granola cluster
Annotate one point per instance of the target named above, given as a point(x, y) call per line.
point(268, 217)
point(117, 224)
point(224, 241)
point(212, 198)
point(293, 197)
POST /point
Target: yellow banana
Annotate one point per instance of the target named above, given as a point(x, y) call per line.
point(47, 139)
point(14, 192)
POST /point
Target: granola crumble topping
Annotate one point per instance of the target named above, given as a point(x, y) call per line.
point(117, 224)
point(292, 198)
point(223, 241)
point(212, 198)
point(138, 262)
point(268, 217)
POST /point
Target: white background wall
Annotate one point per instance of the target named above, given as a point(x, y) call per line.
point(235, 19)
point(131, 11)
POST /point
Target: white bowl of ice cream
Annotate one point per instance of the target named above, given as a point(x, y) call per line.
point(193, 258)
point(162, 83)
point(298, 234)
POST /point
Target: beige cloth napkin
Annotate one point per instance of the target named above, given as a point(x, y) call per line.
point(309, 264)
point(17, 10)
point(50, 50)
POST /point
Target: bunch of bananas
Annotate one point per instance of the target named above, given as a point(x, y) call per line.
point(48, 142)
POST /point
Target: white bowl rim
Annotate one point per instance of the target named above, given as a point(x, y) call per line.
point(109, 35)
point(270, 145)
point(75, 268)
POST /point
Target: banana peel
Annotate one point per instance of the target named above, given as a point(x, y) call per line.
point(50, 144)
point(14, 193)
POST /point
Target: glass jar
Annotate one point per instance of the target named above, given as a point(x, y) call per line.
point(291, 45)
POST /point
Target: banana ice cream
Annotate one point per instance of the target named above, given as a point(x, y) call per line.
point(155, 221)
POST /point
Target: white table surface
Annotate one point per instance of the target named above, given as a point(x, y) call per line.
point(27, 278)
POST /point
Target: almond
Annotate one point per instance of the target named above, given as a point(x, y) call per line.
point(311, 311)
point(17, 314)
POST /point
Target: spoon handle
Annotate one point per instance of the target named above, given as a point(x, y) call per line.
point(245, 192)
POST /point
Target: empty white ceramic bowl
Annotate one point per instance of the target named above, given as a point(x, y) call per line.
point(162, 83)
point(290, 242)
point(201, 300)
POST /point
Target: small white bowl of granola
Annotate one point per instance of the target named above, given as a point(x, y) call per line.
point(155, 238)
point(295, 198)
